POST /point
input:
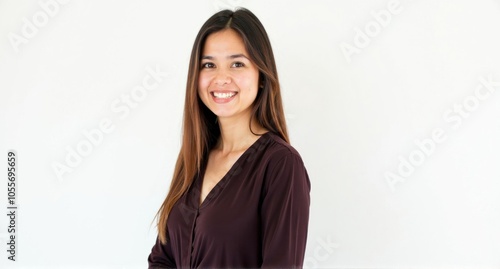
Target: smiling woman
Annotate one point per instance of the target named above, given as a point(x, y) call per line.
point(239, 197)
point(228, 82)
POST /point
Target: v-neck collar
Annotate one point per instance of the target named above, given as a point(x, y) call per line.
point(234, 170)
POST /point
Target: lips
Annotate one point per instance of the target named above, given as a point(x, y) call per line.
point(221, 97)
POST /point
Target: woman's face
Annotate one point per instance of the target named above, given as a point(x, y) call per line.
point(228, 81)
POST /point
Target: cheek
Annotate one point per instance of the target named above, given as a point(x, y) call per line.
point(203, 83)
point(248, 82)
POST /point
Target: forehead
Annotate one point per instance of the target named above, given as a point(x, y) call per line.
point(224, 42)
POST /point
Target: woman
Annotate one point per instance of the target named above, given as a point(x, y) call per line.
point(239, 196)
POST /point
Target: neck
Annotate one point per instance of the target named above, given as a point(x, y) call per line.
point(235, 134)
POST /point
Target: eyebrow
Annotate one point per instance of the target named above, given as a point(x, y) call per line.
point(234, 56)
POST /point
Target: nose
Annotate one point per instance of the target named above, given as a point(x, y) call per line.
point(222, 78)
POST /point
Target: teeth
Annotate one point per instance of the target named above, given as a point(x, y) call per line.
point(224, 94)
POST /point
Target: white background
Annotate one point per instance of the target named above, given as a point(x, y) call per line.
point(353, 117)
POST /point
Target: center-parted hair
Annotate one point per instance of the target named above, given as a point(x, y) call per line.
point(200, 129)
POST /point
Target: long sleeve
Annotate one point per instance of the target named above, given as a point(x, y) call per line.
point(256, 216)
point(285, 212)
point(161, 256)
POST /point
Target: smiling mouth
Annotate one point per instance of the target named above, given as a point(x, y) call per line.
point(223, 95)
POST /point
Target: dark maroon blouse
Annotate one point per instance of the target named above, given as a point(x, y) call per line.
point(255, 217)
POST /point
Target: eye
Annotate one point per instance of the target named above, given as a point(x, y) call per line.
point(238, 64)
point(207, 65)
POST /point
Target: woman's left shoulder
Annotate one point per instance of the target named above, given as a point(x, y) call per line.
point(284, 166)
point(278, 150)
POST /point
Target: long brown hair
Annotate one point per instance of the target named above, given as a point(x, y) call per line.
point(200, 130)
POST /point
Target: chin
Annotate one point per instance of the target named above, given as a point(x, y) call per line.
point(228, 114)
point(224, 115)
